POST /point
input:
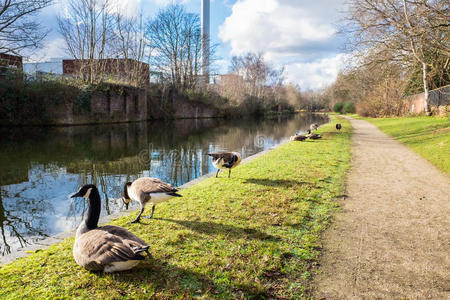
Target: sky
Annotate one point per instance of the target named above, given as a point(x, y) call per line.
point(299, 35)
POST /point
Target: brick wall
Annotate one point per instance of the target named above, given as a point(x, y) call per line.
point(439, 101)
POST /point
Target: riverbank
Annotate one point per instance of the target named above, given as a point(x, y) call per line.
point(256, 234)
point(428, 136)
point(63, 102)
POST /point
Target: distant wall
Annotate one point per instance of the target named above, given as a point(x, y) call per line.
point(439, 101)
point(177, 106)
point(130, 105)
point(183, 108)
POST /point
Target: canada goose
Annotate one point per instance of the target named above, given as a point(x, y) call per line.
point(313, 136)
point(147, 190)
point(225, 160)
point(313, 126)
point(338, 126)
point(298, 137)
point(107, 248)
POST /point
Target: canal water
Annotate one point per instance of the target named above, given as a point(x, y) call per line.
point(42, 166)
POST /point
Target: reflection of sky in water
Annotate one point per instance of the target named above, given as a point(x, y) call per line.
point(36, 203)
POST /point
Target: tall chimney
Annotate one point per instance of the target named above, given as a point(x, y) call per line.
point(205, 40)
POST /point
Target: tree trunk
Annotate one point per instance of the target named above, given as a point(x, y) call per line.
point(425, 90)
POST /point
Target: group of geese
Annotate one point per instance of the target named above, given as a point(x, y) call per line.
point(112, 248)
point(310, 134)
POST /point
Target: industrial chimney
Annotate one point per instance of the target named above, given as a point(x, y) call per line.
point(205, 40)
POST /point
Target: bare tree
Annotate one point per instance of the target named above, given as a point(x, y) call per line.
point(175, 38)
point(254, 70)
point(86, 30)
point(130, 48)
point(18, 27)
point(402, 30)
point(261, 78)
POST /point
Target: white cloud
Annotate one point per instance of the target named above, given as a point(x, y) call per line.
point(273, 26)
point(53, 48)
point(296, 34)
point(316, 74)
point(129, 8)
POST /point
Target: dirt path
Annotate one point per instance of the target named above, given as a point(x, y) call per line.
point(392, 238)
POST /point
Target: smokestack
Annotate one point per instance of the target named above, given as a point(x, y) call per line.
point(205, 40)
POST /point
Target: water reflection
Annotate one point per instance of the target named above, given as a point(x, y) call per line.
point(41, 167)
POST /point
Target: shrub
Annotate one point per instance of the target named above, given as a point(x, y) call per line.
point(385, 100)
point(349, 107)
point(338, 107)
point(26, 102)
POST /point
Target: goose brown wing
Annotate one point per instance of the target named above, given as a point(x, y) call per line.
point(226, 156)
point(108, 244)
point(153, 185)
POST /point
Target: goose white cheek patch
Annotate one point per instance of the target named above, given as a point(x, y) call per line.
point(87, 193)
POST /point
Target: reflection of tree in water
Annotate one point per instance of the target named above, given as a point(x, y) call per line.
point(26, 220)
point(108, 156)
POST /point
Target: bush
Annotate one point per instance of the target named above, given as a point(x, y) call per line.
point(349, 107)
point(385, 100)
point(338, 107)
point(27, 102)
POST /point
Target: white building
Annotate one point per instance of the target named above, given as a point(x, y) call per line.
point(52, 66)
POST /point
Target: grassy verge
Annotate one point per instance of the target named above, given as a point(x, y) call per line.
point(255, 235)
point(428, 136)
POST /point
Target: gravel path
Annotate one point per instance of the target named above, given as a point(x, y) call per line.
point(392, 238)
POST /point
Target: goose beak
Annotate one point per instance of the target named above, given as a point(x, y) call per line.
point(76, 195)
point(126, 204)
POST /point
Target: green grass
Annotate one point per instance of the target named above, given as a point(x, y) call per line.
point(255, 235)
point(428, 136)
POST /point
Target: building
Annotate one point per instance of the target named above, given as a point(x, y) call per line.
point(10, 62)
point(53, 66)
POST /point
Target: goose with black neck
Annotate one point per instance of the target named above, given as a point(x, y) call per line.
point(107, 248)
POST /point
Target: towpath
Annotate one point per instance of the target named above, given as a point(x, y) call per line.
point(392, 238)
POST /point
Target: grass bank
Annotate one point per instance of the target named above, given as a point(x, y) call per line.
point(255, 235)
point(428, 136)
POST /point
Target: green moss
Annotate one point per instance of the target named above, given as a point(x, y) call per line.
point(255, 235)
point(428, 136)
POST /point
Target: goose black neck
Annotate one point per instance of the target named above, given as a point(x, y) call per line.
point(93, 213)
point(125, 190)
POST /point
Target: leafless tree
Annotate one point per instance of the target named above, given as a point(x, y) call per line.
point(86, 30)
point(258, 74)
point(18, 27)
point(130, 48)
point(254, 70)
point(254, 83)
point(407, 31)
point(175, 38)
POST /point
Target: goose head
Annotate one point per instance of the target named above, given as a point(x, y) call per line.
point(90, 192)
point(126, 198)
point(84, 191)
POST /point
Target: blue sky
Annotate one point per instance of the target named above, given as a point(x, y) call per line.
point(299, 35)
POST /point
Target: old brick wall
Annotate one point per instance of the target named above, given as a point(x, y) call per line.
point(177, 106)
point(117, 105)
point(439, 101)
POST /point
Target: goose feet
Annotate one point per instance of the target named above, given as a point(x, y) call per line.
point(151, 215)
point(135, 221)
